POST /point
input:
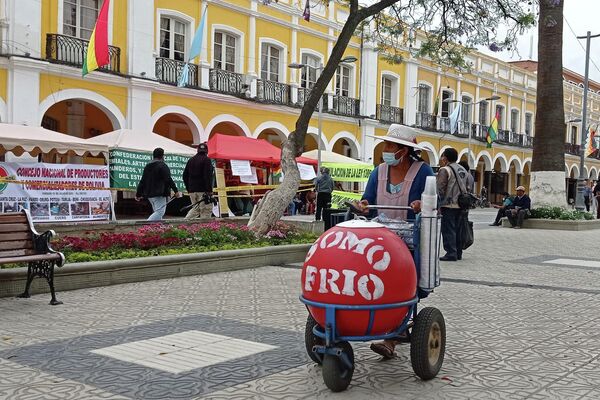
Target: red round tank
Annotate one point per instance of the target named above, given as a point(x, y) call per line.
point(359, 263)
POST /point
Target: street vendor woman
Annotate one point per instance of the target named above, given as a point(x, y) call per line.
point(398, 181)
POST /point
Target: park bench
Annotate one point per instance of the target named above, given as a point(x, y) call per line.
point(20, 243)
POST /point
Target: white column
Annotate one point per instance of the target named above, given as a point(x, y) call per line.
point(437, 97)
point(523, 112)
point(329, 49)
point(331, 11)
point(75, 118)
point(204, 64)
point(25, 29)
point(459, 88)
point(141, 38)
point(140, 105)
point(293, 72)
point(410, 83)
point(476, 106)
point(252, 61)
point(369, 81)
point(23, 91)
point(4, 23)
point(367, 143)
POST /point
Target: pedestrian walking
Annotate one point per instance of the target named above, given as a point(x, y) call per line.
point(596, 194)
point(324, 187)
point(156, 185)
point(587, 195)
point(198, 181)
point(451, 182)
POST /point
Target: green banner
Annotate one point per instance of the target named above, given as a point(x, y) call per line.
point(338, 198)
point(349, 172)
point(126, 168)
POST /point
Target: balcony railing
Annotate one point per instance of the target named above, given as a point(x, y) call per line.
point(223, 81)
point(571, 148)
point(444, 124)
point(343, 105)
point(503, 136)
point(425, 121)
point(390, 114)
point(526, 141)
point(464, 128)
point(480, 132)
point(68, 50)
point(169, 71)
point(273, 92)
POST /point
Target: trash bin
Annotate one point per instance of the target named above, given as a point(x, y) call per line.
point(332, 217)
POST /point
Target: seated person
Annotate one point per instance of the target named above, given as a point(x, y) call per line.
point(519, 210)
point(506, 202)
point(311, 202)
point(398, 181)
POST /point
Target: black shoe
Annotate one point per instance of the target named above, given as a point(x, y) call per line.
point(446, 258)
point(459, 257)
point(495, 224)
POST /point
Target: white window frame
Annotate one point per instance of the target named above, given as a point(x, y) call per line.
point(239, 45)
point(60, 19)
point(174, 14)
point(532, 123)
point(314, 54)
point(515, 121)
point(395, 78)
point(429, 101)
point(502, 124)
point(282, 57)
point(471, 107)
point(450, 105)
point(350, 79)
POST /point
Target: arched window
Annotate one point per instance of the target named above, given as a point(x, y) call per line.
point(79, 17)
point(225, 51)
point(467, 108)
point(342, 80)
point(514, 120)
point(309, 74)
point(173, 33)
point(270, 62)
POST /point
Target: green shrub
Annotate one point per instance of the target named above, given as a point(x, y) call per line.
point(560, 213)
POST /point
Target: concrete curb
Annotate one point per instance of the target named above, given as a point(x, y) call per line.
point(104, 273)
point(557, 224)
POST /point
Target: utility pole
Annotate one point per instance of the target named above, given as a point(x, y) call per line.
point(579, 201)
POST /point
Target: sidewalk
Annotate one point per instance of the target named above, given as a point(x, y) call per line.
point(522, 311)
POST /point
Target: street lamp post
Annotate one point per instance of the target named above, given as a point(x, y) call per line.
point(579, 201)
point(348, 59)
point(494, 97)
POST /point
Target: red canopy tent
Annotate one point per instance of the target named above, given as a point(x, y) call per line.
point(226, 147)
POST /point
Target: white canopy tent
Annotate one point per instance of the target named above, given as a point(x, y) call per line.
point(35, 140)
point(330, 157)
point(141, 141)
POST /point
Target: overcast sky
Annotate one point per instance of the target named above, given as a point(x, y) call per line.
point(583, 16)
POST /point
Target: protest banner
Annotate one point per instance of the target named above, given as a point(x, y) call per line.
point(56, 192)
point(126, 168)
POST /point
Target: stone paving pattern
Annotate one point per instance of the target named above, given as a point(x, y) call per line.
point(517, 329)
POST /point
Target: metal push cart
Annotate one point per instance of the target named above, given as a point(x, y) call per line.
point(425, 330)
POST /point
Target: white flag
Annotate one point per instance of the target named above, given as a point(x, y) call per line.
point(454, 118)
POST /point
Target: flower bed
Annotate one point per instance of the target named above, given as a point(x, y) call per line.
point(560, 213)
point(159, 239)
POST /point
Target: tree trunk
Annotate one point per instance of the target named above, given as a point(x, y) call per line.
point(547, 186)
point(273, 205)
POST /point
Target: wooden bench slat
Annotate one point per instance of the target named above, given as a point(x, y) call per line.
point(24, 259)
point(13, 219)
point(15, 236)
point(14, 227)
point(15, 245)
point(16, 253)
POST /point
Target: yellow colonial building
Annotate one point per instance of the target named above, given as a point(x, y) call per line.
point(241, 84)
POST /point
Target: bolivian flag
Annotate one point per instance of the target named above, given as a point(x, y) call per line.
point(492, 132)
point(97, 51)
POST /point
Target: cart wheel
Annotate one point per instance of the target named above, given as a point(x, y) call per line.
point(311, 340)
point(428, 343)
point(336, 374)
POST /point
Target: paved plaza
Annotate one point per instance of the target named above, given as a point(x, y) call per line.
point(522, 312)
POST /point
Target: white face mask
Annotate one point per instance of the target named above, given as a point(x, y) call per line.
point(390, 158)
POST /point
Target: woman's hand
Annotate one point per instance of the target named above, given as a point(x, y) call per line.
point(361, 206)
point(416, 206)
